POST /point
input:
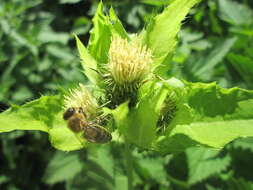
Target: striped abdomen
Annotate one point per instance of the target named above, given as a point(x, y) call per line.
point(96, 134)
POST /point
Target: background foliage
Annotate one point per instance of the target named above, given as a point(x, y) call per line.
point(38, 56)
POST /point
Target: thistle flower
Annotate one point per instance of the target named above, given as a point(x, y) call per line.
point(81, 97)
point(128, 62)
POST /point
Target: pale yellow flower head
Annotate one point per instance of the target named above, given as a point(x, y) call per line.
point(129, 62)
point(81, 97)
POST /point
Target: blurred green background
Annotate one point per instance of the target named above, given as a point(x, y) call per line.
point(38, 56)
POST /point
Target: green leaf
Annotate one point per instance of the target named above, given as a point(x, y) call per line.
point(245, 144)
point(119, 114)
point(44, 114)
point(216, 133)
point(103, 158)
point(101, 165)
point(135, 125)
point(204, 65)
point(210, 100)
point(235, 13)
point(220, 116)
point(244, 65)
point(63, 166)
point(151, 168)
point(88, 62)
point(199, 159)
point(139, 126)
point(116, 25)
point(161, 33)
point(100, 36)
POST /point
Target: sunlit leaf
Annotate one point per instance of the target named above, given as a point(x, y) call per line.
point(161, 32)
point(44, 114)
point(220, 116)
point(88, 62)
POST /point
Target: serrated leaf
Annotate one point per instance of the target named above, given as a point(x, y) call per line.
point(63, 166)
point(216, 133)
point(203, 66)
point(89, 64)
point(210, 100)
point(116, 25)
point(161, 32)
point(245, 144)
point(221, 115)
point(100, 36)
point(203, 163)
point(43, 114)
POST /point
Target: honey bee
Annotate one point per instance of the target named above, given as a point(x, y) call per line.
point(77, 122)
point(75, 118)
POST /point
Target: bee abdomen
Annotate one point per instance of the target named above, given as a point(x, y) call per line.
point(97, 134)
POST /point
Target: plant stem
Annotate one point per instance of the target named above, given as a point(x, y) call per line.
point(129, 165)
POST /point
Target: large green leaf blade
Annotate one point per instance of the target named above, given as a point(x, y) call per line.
point(161, 33)
point(43, 114)
point(217, 133)
point(210, 100)
point(35, 115)
point(220, 116)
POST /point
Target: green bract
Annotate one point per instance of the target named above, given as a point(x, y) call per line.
point(167, 115)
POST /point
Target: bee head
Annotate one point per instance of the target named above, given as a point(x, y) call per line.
point(71, 111)
point(68, 113)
